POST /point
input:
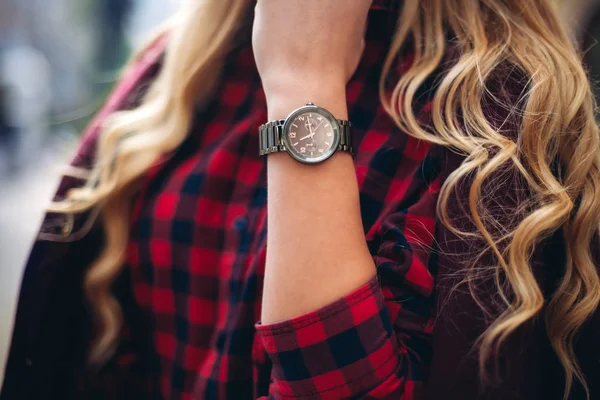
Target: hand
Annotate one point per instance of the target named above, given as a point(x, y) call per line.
point(307, 50)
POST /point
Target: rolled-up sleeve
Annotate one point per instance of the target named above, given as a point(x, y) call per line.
point(346, 349)
point(376, 342)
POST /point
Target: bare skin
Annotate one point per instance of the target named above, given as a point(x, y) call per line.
point(316, 249)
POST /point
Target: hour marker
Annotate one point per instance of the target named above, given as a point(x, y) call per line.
point(320, 150)
point(302, 149)
point(329, 133)
point(294, 125)
point(310, 115)
point(327, 143)
point(295, 144)
point(320, 119)
point(327, 126)
point(292, 134)
point(311, 153)
point(301, 118)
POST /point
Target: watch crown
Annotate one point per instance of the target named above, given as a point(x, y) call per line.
point(310, 104)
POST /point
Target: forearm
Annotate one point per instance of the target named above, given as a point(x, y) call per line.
point(316, 249)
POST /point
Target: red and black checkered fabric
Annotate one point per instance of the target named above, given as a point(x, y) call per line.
point(197, 253)
point(191, 292)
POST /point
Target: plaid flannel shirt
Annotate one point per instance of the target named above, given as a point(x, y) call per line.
point(197, 254)
point(191, 292)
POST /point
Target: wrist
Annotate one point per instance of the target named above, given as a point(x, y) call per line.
point(283, 98)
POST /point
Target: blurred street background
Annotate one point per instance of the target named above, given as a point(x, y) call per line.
point(58, 60)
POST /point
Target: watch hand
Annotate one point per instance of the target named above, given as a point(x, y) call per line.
point(309, 136)
point(322, 122)
point(312, 133)
point(307, 124)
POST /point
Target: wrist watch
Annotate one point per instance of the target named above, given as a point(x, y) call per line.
point(310, 134)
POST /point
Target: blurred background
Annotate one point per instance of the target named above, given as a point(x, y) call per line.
point(58, 60)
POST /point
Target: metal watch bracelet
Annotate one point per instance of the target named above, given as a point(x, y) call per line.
point(270, 137)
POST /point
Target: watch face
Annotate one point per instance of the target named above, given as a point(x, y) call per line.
point(311, 134)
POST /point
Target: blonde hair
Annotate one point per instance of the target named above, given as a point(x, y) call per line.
point(556, 124)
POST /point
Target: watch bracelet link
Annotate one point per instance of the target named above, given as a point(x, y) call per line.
point(270, 137)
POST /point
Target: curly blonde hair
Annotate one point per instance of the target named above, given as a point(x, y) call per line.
point(556, 153)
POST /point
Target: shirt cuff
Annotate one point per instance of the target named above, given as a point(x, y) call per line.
point(342, 350)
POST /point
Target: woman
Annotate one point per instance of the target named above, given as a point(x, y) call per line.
point(452, 257)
